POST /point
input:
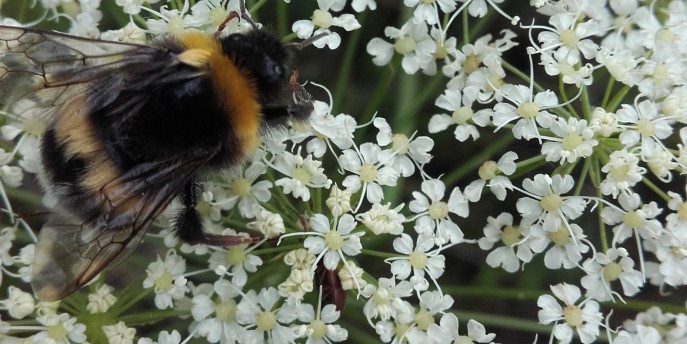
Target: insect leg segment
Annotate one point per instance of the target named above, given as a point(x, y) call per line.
point(188, 224)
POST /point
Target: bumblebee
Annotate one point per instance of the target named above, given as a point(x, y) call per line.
point(132, 127)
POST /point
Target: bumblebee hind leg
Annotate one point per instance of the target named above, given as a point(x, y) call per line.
point(188, 225)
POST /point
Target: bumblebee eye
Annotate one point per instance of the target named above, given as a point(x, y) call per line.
point(271, 69)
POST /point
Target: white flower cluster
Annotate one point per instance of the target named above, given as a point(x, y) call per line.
point(600, 165)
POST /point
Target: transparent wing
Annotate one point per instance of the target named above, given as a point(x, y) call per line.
point(71, 251)
point(39, 70)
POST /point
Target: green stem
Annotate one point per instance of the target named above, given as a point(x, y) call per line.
point(656, 189)
point(378, 254)
point(607, 94)
point(619, 96)
point(342, 87)
point(478, 159)
point(150, 317)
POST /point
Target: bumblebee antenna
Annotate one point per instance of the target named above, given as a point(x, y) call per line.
point(223, 25)
point(302, 44)
point(233, 15)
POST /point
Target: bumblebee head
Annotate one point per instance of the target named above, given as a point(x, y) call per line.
point(263, 57)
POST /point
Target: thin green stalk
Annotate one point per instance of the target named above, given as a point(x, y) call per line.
point(565, 99)
point(586, 107)
point(378, 254)
point(478, 159)
point(660, 192)
point(615, 101)
point(607, 93)
point(151, 317)
point(583, 175)
point(341, 86)
point(379, 93)
point(595, 176)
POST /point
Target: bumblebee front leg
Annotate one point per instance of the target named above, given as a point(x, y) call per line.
point(188, 225)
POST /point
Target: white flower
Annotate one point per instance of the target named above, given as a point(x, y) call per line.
point(644, 124)
point(271, 225)
point(574, 141)
point(570, 38)
point(300, 259)
point(163, 337)
point(434, 219)
point(501, 229)
point(404, 152)
point(622, 173)
point(427, 11)
point(567, 248)
point(332, 244)
point(165, 277)
point(18, 304)
point(461, 114)
point(241, 189)
point(320, 328)
point(528, 110)
point(351, 276)
point(324, 128)
point(383, 219)
point(369, 172)
point(324, 20)
point(432, 303)
point(302, 174)
point(264, 322)
point(546, 204)
point(119, 333)
point(411, 40)
point(217, 318)
point(60, 329)
point(236, 258)
point(339, 201)
point(584, 317)
point(633, 218)
point(419, 260)
point(385, 299)
point(101, 300)
point(299, 283)
point(605, 268)
point(447, 331)
point(489, 172)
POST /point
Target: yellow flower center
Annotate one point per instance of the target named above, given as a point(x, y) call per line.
point(488, 170)
point(569, 38)
point(633, 220)
point(573, 315)
point(404, 45)
point(528, 110)
point(423, 319)
point(400, 143)
point(368, 173)
point(471, 63)
point(322, 19)
point(226, 310)
point(241, 187)
point(265, 321)
point(571, 141)
point(438, 210)
point(333, 240)
point(561, 237)
point(319, 329)
point(462, 115)
point(645, 127)
point(418, 259)
point(511, 235)
point(236, 255)
point(611, 271)
point(551, 202)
